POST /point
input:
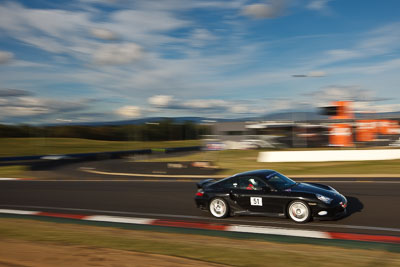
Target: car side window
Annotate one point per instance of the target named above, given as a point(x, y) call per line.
point(251, 183)
point(230, 184)
point(278, 182)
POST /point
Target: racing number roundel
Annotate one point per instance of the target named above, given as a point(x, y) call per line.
point(256, 201)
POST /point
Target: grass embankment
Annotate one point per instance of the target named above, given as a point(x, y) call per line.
point(235, 161)
point(11, 147)
point(16, 171)
point(222, 250)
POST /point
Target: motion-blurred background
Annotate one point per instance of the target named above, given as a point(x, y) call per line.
point(115, 109)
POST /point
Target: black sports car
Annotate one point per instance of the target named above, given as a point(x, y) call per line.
point(267, 192)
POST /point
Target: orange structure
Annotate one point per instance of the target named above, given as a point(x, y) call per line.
point(366, 130)
point(340, 134)
point(388, 127)
point(343, 110)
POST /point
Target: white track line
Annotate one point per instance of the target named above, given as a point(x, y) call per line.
point(18, 212)
point(116, 219)
point(277, 231)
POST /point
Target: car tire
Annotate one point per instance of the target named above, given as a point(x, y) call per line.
point(299, 211)
point(219, 208)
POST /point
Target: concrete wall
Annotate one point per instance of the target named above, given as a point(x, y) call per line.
point(328, 155)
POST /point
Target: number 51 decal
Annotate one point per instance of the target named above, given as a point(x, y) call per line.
point(256, 201)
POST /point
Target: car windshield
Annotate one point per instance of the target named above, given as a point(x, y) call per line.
point(279, 181)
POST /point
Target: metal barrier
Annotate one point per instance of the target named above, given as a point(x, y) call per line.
point(44, 161)
point(329, 155)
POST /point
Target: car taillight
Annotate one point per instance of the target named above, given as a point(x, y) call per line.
point(200, 193)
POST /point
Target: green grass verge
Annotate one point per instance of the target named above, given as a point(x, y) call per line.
point(229, 251)
point(15, 171)
point(46, 146)
point(235, 161)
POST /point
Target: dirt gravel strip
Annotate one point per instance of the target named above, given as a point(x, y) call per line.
point(265, 230)
point(17, 253)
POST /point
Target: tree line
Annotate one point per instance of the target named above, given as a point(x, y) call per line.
point(164, 130)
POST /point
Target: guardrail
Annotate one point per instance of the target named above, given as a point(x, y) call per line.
point(75, 157)
point(329, 155)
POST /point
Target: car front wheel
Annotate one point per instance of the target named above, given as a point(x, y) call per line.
point(299, 211)
point(219, 208)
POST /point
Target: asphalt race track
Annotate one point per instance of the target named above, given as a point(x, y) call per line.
point(373, 206)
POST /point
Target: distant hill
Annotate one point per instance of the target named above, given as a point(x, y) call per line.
point(294, 116)
point(286, 116)
point(385, 115)
point(314, 116)
point(143, 121)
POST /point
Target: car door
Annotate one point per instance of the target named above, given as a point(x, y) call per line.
point(260, 197)
point(252, 196)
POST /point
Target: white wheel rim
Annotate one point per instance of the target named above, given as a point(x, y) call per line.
point(218, 208)
point(298, 212)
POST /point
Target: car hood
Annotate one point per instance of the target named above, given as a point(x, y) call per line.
point(315, 189)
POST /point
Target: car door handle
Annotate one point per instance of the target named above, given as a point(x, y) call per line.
point(233, 194)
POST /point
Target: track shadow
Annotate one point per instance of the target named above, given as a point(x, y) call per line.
point(353, 205)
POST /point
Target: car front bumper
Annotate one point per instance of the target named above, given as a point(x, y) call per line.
point(324, 212)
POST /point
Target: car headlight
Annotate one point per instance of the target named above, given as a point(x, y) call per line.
point(324, 199)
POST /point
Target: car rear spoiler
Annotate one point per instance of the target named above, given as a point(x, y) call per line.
point(202, 183)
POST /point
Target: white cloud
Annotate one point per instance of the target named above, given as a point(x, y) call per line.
point(326, 95)
point(270, 10)
point(198, 105)
point(142, 21)
point(369, 107)
point(378, 42)
point(52, 30)
point(179, 5)
point(382, 39)
point(239, 109)
point(17, 103)
point(385, 108)
point(17, 19)
point(160, 100)
point(13, 111)
point(342, 54)
point(318, 4)
point(201, 37)
point(316, 74)
point(205, 106)
point(103, 34)
point(129, 111)
point(5, 57)
point(31, 101)
point(118, 53)
point(205, 103)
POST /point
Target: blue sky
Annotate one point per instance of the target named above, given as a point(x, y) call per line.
point(104, 60)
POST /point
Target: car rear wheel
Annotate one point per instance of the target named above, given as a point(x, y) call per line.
point(299, 211)
point(219, 208)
